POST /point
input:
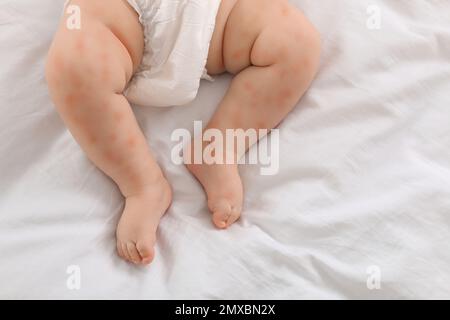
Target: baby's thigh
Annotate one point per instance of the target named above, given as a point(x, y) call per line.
point(100, 53)
point(245, 24)
point(87, 60)
point(280, 36)
point(121, 19)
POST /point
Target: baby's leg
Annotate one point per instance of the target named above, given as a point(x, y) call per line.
point(274, 52)
point(87, 71)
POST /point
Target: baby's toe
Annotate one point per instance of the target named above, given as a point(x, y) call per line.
point(125, 253)
point(235, 215)
point(119, 249)
point(146, 251)
point(220, 219)
point(225, 214)
point(133, 253)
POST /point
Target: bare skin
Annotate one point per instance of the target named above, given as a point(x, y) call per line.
point(273, 53)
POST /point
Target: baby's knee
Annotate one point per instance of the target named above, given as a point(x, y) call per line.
point(69, 65)
point(89, 58)
point(304, 48)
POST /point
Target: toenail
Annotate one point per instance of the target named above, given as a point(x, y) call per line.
point(222, 224)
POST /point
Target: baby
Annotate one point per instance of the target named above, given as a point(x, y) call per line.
point(154, 53)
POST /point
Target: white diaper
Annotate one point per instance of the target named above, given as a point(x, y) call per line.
point(177, 38)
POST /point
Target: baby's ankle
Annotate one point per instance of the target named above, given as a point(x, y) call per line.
point(155, 184)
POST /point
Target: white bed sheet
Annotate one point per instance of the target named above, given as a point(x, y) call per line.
point(364, 178)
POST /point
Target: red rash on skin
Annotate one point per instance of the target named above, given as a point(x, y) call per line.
point(250, 88)
point(104, 59)
point(235, 116)
point(58, 61)
point(105, 74)
point(297, 68)
point(92, 139)
point(104, 56)
point(270, 101)
point(131, 142)
point(71, 99)
point(238, 54)
point(84, 126)
point(113, 137)
point(283, 51)
point(261, 125)
point(119, 116)
point(76, 81)
point(96, 10)
point(235, 119)
point(137, 179)
point(285, 96)
point(285, 11)
point(79, 46)
point(283, 73)
point(110, 156)
point(77, 118)
point(255, 101)
point(299, 36)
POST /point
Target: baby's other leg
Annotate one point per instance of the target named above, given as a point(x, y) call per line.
point(274, 52)
point(87, 71)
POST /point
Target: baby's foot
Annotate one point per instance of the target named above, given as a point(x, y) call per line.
point(223, 187)
point(136, 231)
